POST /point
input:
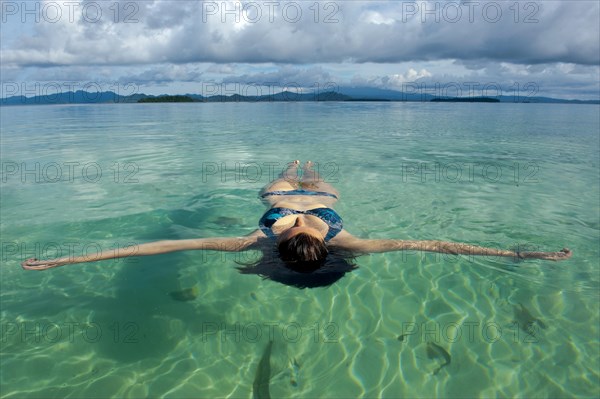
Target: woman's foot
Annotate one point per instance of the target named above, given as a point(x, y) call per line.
point(310, 178)
point(291, 166)
point(291, 173)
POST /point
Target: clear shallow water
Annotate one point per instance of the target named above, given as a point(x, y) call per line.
point(81, 178)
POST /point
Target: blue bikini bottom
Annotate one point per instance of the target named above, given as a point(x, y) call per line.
point(299, 192)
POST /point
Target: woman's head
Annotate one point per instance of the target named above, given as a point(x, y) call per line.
point(301, 247)
point(303, 252)
point(301, 260)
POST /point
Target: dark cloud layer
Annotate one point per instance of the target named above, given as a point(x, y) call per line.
point(183, 32)
point(554, 43)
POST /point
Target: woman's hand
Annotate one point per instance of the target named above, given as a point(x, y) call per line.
point(563, 254)
point(34, 264)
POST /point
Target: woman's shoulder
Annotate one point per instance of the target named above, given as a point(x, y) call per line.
point(342, 237)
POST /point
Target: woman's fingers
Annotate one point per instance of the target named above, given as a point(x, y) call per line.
point(563, 254)
point(566, 253)
point(34, 264)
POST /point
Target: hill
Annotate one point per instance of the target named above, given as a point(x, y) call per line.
point(344, 94)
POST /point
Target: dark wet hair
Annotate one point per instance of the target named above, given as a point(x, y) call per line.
point(300, 265)
point(303, 252)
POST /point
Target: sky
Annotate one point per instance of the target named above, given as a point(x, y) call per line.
point(464, 48)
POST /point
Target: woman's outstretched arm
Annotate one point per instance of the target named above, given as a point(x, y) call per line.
point(230, 244)
point(359, 245)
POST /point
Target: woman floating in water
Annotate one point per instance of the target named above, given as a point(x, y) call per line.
point(301, 237)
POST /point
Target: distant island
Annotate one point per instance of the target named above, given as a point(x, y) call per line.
point(167, 99)
point(465, 100)
point(341, 94)
point(368, 99)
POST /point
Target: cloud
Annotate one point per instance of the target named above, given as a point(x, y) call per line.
point(357, 31)
point(383, 44)
point(439, 78)
point(411, 75)
point(287, 75)
point(221, 69)
point(165, 73)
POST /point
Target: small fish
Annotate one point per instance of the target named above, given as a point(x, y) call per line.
point(295, 372)
point(228, 221)
point(253, 296)
point(435, 351)
point(260, 386)
point(401, 337)
point(526, 320)
point(188, 294)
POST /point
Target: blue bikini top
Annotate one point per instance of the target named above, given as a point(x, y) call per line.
point(328, 215)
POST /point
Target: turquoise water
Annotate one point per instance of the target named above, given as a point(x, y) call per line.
point(81, 178)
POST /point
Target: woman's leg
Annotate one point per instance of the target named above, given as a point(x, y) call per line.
point(287, 180)
point(311, 180)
